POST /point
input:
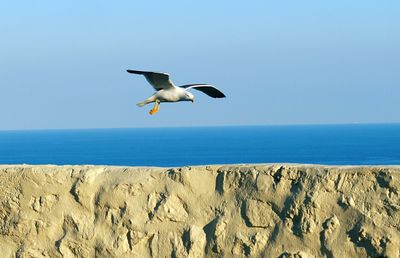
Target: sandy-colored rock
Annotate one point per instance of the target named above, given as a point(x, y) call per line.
point(195, 241)
point(260, 214)
point(215, 211)
point(172, 209)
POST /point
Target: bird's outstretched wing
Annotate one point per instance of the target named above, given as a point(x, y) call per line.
point(205, 88)
point(159, 81)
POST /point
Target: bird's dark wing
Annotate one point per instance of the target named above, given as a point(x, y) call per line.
point(205, 88)
point(159, 81)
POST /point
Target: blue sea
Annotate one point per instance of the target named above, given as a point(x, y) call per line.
point(372, 144)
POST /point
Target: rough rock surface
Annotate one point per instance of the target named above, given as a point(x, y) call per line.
point(213, 211)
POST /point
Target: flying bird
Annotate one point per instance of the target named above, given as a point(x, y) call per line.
point(166, 91)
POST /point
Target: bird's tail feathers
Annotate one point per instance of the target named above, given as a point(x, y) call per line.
point(146, 101)
point(141, 104)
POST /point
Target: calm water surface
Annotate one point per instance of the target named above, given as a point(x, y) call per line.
point(316, 144)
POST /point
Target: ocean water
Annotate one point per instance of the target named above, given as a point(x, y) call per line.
point(374, 144)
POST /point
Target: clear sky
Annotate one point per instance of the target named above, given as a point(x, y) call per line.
point(62, 63)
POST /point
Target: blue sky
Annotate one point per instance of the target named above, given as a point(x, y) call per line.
point(279, 62)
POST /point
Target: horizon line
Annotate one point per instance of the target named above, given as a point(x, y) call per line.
point(199, 126)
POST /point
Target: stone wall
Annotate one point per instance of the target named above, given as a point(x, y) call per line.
point(214, 211)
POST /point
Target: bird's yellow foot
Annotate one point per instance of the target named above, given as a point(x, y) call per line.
point(155, 108)
point(153, 111)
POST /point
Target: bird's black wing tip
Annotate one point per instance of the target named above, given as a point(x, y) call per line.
point(217, 96)
point(137, 72)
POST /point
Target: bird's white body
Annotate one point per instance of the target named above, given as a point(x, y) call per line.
point(174, 94)
point(166, 91)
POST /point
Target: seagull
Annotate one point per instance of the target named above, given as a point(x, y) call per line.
point(166, 91)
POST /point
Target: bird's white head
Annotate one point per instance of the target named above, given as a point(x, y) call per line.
point(189, 96)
